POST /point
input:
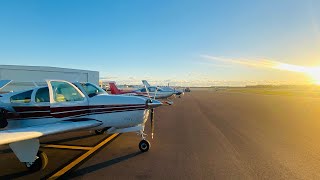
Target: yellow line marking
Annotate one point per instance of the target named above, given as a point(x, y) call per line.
point(82, 157)
point(66, 147)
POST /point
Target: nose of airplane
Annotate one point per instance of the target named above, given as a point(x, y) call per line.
point(153, 104)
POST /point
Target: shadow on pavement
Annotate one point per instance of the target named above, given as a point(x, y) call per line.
point(69, 139)
point(15, 175)
point(101, 165)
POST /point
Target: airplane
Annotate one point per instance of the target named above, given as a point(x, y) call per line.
point(151, 92)
point(59, 107)
point(167, 88)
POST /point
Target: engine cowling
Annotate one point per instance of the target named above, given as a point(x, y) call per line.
point(3, 118)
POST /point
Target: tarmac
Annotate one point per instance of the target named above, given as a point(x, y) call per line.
point(204, 135)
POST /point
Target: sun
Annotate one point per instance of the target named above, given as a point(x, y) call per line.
point(315, 75)
point(313, 72)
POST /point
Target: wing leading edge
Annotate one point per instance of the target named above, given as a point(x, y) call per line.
point(21, 134)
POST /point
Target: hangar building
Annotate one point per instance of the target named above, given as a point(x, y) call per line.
point(26, 76)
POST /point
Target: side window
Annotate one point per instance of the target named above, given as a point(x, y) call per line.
point(42, 95)
point(64, 92)
point(143, 90)
point(24, 97)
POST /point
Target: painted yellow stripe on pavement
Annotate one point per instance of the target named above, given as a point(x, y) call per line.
point(66, 147)
point(82, 157)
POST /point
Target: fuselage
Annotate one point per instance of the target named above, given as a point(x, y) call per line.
point(154, 92)
point(112, 111)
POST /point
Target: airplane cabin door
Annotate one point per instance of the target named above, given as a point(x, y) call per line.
point(66, 100)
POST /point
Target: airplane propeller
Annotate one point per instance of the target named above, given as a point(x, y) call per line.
point(152, 110)
point(4, 109)
point(152, 122)
point(3, 116)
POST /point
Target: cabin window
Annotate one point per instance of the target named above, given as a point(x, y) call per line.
point(143, 90)
point(24, 97)
point(42, 95)
point(64, 92)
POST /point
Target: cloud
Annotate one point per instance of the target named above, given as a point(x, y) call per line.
point(259, 63)
point(312, 72)
point(262, 63)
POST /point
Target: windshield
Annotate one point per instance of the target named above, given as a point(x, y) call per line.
point(92, 90)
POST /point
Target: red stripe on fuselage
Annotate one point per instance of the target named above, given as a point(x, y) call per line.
point(73, 108)
point(31, 108)
point(60, 112)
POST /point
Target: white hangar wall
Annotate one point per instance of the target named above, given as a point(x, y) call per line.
point(27, 75)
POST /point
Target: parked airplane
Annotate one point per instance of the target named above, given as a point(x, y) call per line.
point(60, 107)
point(167, 88)
point(152, 92)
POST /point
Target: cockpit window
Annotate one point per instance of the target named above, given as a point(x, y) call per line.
point(24, 97)
point(92, 90)
point(42, 95)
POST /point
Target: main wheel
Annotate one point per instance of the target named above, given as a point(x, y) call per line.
point(99, 131)
point(39, 164)
point(144, 145)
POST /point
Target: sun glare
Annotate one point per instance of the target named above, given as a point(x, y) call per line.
point(313, 72)
point(315, 75)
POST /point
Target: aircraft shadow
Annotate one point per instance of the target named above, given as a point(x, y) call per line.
point(5, 151)
point(101, 165)
point(15, 175)
point(69, 139)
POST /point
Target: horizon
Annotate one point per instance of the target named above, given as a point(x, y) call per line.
point(202, 43)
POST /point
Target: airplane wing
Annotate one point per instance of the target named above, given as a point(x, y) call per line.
point(32, 132)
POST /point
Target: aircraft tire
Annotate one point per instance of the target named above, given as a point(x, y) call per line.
point(144, 145)
point(40, 163)
point(99, 131)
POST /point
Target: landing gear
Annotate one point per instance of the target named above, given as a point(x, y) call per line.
point(144, 145)
point(39, 164)
point(100, 131)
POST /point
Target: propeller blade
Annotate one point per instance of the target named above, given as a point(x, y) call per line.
point(152, 122)
point(3, 118)
point(155, 94)
point(147, 91)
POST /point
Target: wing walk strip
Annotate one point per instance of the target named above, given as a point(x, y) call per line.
point(82, 157)
point(65, 147)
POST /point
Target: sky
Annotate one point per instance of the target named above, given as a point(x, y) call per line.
point(187, 43)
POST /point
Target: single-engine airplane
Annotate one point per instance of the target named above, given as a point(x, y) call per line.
point(152, 92)
point(60, 107)
point(166, 89)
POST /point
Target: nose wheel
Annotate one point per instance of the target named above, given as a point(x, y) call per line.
point(144, 145)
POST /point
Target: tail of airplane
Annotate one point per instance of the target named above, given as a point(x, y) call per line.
point(145, 82)
point(114, 89)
